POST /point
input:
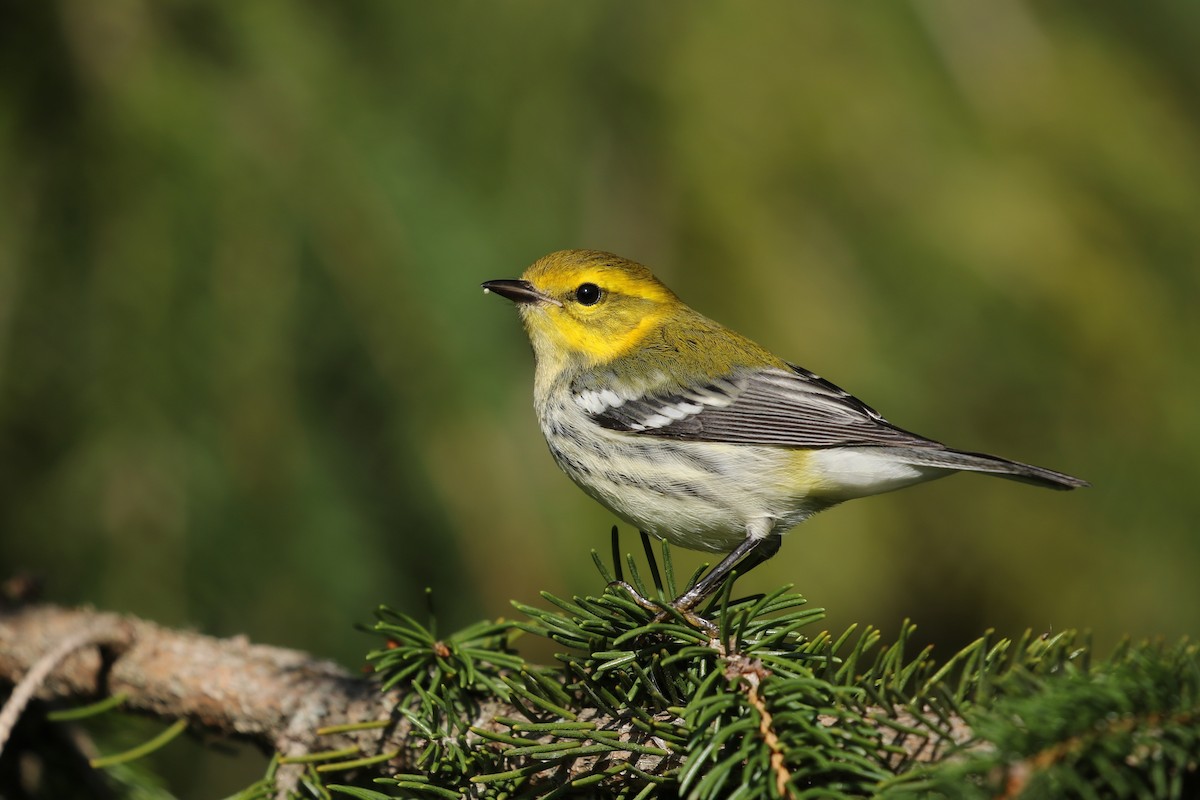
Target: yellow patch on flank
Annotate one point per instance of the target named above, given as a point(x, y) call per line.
point(803, 476)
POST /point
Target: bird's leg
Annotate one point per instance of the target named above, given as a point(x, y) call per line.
point(768, 548)
point(747, 555)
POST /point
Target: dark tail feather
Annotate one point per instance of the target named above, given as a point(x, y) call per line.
point(993, 465)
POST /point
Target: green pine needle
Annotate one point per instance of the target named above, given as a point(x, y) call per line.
point(639, 709)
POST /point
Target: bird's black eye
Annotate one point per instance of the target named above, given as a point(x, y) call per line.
point(588, 294)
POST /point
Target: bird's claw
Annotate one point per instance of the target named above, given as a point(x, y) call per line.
point(676, 609)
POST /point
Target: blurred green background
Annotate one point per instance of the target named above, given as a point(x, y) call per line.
point(248, 382)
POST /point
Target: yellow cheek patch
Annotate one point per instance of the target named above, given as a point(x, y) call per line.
point(603, 340)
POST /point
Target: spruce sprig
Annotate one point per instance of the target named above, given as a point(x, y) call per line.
point(757, 703)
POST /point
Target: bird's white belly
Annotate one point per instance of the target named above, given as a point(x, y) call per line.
point(699, 495)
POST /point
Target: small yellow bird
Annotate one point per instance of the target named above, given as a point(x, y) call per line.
point(694, 433)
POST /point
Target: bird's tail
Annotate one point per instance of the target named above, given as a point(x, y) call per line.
point(981, 462)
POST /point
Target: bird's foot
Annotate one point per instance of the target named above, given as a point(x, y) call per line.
point(680, 608)
point(635, 595)
point(707, 627)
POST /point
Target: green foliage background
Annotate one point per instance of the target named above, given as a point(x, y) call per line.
point(248, 381)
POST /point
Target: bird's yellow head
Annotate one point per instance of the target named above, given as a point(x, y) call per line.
point(585, 308)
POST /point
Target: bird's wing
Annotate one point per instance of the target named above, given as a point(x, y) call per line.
point(787, 407)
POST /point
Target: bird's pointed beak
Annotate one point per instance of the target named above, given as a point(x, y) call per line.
point(518, 291)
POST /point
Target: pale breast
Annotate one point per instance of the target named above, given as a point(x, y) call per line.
point(700, 495)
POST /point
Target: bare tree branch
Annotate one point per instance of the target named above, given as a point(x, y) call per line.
point(273, 696)
point(34, 678)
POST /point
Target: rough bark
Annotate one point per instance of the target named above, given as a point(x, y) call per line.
point(273, 696)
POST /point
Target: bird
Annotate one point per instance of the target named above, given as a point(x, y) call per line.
point(695, 434)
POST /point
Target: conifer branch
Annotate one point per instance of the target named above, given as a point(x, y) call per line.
point(642, 707)
point(282, 699)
